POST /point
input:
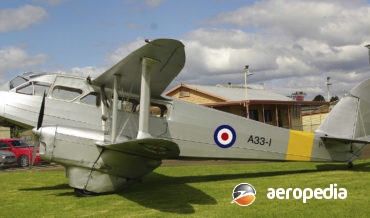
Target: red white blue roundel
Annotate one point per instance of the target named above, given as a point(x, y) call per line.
point(224, 136)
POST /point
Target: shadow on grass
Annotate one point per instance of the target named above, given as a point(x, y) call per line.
point(176, 195)
point(69, 191)
point(167, 194)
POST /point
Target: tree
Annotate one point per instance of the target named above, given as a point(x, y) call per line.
point(319, 98)
point(334, 98)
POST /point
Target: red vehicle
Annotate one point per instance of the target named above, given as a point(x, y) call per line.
point(21, 149)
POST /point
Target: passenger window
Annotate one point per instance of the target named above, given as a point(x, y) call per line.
point(40, 89)
point(66, 93)
point(157, 110)
point(126, 106)
point(93, 98)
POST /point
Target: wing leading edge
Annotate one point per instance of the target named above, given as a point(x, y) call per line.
point(169, 56)
point(149, 147)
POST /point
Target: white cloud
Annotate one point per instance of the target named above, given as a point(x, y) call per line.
point(153, 3)
point(17, 59)
point(124, 50)
point(328, 21)
point(289, 45)
point(91, 71)
point(21, 18)
point(50, 2)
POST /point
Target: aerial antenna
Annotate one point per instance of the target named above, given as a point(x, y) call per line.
point(328, 84)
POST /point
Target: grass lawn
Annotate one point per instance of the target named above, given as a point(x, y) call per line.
point(196, 191)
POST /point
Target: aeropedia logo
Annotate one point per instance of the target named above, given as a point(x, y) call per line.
point(332, 192)
point(244, 194)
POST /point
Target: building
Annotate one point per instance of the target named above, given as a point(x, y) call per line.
point(257, 104)
point(4, 132)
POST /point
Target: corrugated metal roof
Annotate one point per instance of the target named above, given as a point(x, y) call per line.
point(237, 93)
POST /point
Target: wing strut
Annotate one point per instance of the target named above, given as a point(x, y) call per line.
point(144, 112)
point(115, 107)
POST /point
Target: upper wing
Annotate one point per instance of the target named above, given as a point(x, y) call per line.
point(170, 57)
point(149, 147)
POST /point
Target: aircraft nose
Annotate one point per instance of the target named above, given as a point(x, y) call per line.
point(45, 143)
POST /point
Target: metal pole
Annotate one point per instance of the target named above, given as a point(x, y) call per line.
point(328, 84)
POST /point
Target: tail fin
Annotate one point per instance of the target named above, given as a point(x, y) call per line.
point(350, 118)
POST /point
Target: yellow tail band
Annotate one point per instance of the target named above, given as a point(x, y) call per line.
point(299, 146)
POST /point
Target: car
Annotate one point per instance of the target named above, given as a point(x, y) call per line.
point(22, 150)
point(7, 158)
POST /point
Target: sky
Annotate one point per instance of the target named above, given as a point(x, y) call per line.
point(289, 45)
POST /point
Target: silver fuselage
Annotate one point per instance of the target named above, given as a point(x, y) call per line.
point(77, 124)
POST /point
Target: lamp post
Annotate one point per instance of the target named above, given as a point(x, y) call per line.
point(328, 84)
point(246, 74)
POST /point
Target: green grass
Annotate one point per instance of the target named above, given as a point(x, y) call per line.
point(197, 191)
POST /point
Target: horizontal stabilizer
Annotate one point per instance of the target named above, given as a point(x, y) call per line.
point(346, 140)
point(149, 147)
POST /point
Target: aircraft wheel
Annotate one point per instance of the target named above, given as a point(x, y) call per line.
point(350, 165)
point(23, 161)
point(84, 193)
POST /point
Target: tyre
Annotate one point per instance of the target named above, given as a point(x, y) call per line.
point(84, 193)
point(23, 161)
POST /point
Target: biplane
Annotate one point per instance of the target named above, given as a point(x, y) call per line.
point(110, 131)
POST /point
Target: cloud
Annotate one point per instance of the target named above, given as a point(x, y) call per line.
point(21, 18)
point(17, 59)
point(154, 3)
point(284, 66)
point(124, 50)
point(50, 2)
point(139, 5)
point(289, 45)
point(326, 21)
point(91, 71)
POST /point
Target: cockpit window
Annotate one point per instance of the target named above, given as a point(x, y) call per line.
point(34, 88)
point(66, 93)
point(22, 78)
point(93, 98)
point(16, 82)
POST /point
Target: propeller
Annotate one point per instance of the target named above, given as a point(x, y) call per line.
point(39, 124)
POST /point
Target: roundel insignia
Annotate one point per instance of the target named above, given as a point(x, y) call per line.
point(224, 136)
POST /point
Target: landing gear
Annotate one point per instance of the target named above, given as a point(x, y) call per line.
point(84, 193)
point(350, 165)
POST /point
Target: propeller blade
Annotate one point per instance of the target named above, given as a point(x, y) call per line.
point(39, 124)
point(41, 114)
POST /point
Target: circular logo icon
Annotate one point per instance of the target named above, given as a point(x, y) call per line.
point(224, 136)
point(244, 194)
